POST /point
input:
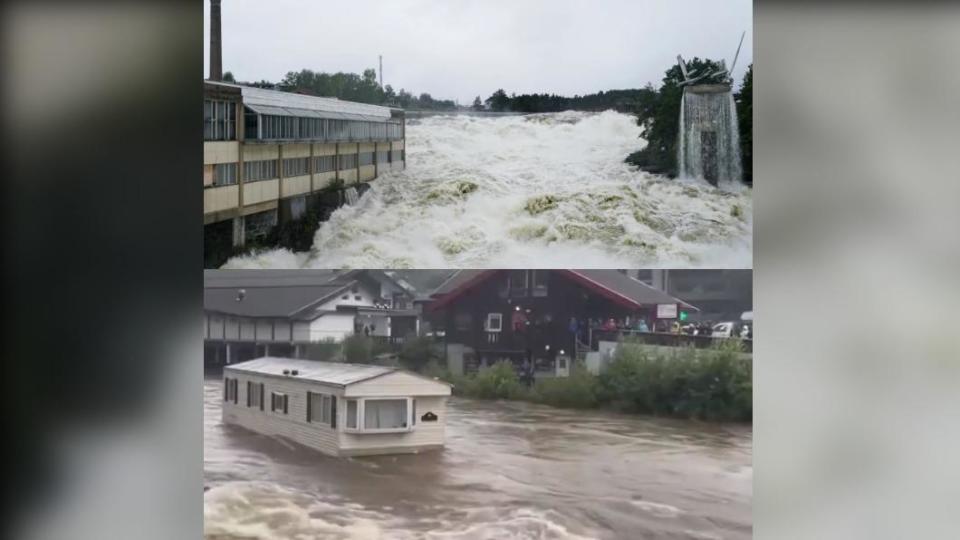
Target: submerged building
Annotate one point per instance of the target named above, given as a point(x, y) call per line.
point(266, 153)
point(336, 408)
point(709, 145)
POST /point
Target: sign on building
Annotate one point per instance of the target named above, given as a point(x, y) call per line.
point(666, 311)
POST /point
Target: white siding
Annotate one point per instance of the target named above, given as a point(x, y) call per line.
point(292, 425)
point(334, 326)
point(399, 383)
point(424, 435)
point(282, 330)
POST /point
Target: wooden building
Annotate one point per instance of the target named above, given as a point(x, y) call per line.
point(538, 318)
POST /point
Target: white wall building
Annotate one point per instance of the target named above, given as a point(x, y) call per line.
point(338, 409)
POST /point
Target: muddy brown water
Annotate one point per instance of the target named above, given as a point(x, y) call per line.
point(509, 470)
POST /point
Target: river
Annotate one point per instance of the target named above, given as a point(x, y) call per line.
point(533, 191)
point(509, 470)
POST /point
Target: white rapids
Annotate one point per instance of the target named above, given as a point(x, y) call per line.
point(535, 191)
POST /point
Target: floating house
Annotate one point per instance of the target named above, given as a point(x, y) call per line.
point(336, 408)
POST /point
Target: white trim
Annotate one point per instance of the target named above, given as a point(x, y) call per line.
point(491, 316)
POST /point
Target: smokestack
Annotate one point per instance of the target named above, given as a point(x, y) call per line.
point(216, 51)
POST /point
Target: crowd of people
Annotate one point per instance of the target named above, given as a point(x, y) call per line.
point(581, 328)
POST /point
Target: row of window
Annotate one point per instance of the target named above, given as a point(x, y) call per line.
point(219, 120)
point(225, 174)
point(295, 128)
point(378, 414)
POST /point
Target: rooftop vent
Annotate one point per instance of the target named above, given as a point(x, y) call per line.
point(286, 372)
point(241, 294)
point(294, 372)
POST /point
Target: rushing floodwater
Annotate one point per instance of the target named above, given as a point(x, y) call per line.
point(509, 470)
point(548, 190)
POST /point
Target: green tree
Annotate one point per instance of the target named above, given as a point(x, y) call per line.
point(477, 104)
point(499, 101)
point(228, 77)
point(658, 113)
point(745, 123)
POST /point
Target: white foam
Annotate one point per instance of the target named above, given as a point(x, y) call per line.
point(465, 199)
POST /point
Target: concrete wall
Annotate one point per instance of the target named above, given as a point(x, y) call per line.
point(221, 152)
point(217, 199)
point(264, 190)
point(367, 173)
point(296, 185)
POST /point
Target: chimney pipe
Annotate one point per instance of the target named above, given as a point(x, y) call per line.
point(216, 52)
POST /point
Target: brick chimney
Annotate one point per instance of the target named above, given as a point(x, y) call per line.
point(216, 49)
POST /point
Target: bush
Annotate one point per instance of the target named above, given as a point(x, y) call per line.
point(579, 390)
point(497, 382)
point(417, 352)
point(358, 349)
point(711, 384)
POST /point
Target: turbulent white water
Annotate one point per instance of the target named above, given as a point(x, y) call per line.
point(548, 190)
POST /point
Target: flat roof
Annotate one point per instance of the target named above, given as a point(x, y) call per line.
point(334, 373)
point(279, 103)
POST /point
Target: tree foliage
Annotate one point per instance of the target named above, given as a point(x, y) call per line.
point(658, 113)
point(362, 88)
point(619, 100)
point(745, 122)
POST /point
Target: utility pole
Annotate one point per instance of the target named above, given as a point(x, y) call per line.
point(381, 71)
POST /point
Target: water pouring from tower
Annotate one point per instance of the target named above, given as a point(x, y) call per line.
point(709, 137)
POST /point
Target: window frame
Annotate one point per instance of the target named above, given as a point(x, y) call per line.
point(361, 412)
point(284, 398)
point(491, 316)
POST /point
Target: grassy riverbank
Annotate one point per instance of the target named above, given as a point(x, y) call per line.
point(707, 384)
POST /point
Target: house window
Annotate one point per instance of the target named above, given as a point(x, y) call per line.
point(494, 322)
point(518, 283)
point(224, 174)
point(255, 395)
point(540, 282)
point(399, 301)
point(322, 408)
point(278, 402)
point(230, 390)
point(463, 321)
point(413, 412)
point(384, 414)
point(352, 413)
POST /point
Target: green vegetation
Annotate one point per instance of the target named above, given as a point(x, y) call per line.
point(744, 101)
point(707, 384)
point(658, 113)
point(362, 88)
point(619, 100)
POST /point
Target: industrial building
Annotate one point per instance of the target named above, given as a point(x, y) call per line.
point(265, 152)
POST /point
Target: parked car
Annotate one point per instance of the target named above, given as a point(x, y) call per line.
point(725, 329)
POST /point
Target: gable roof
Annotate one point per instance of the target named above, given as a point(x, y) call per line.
point(271, 293)
point(333, 373)
point(611, 284)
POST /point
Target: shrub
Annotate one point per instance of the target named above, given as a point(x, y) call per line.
point(497, 382)
point(579, 390)
point(417, 352)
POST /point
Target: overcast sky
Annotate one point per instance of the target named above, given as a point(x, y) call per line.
point(458, 49)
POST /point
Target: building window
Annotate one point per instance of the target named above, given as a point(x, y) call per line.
point(463, 321)
point(230, 390)
point(540, 282)
point(219, 120)
point(352, 413)
point(224, 174)
point(494, 322)
point(399, 301)
point(296, 167)
point(278, 402)
point(322, 408)
point(384, 414)
point(254, 171)
point(366, 158)
point(255, 395)
point(348, 161)
point(518, 283)
point(395, 156)
point(383, 156)
point(324, 164)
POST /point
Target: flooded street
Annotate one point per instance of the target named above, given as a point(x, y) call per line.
point(509, 470)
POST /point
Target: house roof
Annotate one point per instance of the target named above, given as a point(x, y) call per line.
point(334, 373)
point(279, 103)
point(271, 293)
point(612, 284)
